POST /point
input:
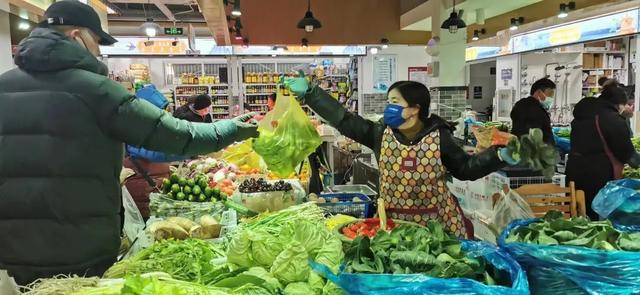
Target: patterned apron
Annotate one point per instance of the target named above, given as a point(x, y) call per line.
point(412, 182)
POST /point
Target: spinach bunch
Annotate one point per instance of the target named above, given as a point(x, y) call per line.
point(410, 249)
point(531, 150)
point(554, 229)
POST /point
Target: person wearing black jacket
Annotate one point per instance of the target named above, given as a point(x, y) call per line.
point(415, 150)
point(197, 110)
point(532, 112)
point(600, 143)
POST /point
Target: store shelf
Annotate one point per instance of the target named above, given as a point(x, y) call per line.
point(219, 94)
point(598, 69)
point(187, 95)
point(220, 105)
point(605, 51)
point(259, 84)
point(335, 76)
point(257, 94)
point(257, 104)
point(220, 113)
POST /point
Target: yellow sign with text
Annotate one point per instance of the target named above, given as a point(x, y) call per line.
point(565, 35)
point(162, 47)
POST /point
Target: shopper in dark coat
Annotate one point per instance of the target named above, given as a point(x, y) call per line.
point(532, 112)
point(197, 110)
point(589, 165)
point(63, 126)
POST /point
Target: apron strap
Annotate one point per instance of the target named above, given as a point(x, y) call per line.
point(615, 164)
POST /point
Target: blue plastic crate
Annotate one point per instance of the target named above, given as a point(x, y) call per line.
point(346, 206)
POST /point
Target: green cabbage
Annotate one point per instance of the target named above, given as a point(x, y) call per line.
point(311, 235)
point(238, 251)
point(332, 289)
point(265, 275)
point(331, 253)
point(264, 247)
point(292, 264)
point(316, 282)
point(299, 288)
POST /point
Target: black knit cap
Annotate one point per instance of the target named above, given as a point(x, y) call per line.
point(201, 101)
point(75, 13)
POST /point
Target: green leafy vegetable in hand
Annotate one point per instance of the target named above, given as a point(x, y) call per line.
point(531, 150)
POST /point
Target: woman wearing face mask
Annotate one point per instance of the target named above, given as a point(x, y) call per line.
point(197, 110)
point(600, 143)
point(415, 150)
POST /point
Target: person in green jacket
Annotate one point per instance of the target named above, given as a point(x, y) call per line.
point(63, 126)
point(414, 149)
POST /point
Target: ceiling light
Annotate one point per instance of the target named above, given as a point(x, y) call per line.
point(238, 35)
point(148, 43)
point(477, 33)
point(515, 22)
point(23, 26)
point(149, 28)
point(274, 55)
point(454, 22)
point(245, 43)
point(385, 43)
point(565, 8)
point(236, 9)
point(374, 50)
point(308, 22)
point(304, 43)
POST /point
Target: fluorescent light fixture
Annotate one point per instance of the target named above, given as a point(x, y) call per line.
point(236, 9)
point(23, 26)
point(374, 50)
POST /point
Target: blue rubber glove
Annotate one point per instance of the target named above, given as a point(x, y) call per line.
point(297, 85)
point(506, 155)
point(246, 129)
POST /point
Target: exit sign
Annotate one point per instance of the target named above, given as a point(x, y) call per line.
point(173, 31)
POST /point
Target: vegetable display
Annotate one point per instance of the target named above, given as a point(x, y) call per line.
point(187, 260)
point(181, 228)
point(629, 172)
point(410, 249)
point(554, 229)
point(252, 185)
point(530, 149)
point(283, 242)
point(368, 228)
point(564, 133)
point(196, 189)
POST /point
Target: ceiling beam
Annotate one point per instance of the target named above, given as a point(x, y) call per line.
point(165, 10)
point(166, 2)
point(216, 17)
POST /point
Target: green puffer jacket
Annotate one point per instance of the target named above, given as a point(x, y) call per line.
point(461, 165)
point(62, 128)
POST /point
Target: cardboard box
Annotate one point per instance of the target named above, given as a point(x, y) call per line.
point(598, 61)
point(587, 61)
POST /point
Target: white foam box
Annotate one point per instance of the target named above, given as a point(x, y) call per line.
point(481, 228)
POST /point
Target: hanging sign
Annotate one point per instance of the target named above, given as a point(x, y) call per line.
point(419, 74)
point(173, 31)
point(384, 72)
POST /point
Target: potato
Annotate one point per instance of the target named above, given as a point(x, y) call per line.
point(313, 197)
point(322, 200)
point(356, 200)
point(335, 200)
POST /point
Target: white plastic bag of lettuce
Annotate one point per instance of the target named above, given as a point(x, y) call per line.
point(285, 251)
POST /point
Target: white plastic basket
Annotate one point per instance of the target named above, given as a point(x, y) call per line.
point(497, 180)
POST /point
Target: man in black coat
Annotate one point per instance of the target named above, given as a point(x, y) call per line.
point(197, 110)
point(532, 111)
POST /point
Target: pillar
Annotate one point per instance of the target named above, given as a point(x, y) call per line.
point(450, 94)
point(6, 62)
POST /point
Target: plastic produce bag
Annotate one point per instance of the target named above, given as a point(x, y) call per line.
point(287, 136)
point(619, 201)
point(243, 156)
point(509, 207)
point(271, 201)
point(133, 221)
point(396, 284)
point(554, 269)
